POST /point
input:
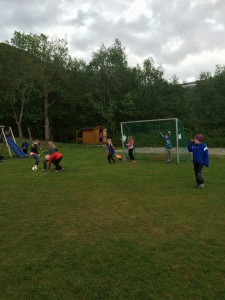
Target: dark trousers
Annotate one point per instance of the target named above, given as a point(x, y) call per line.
point(130, 152)
point(110, 157)
point(56, 163)
point(45, 164)
point(198, 173)
point(36, 158)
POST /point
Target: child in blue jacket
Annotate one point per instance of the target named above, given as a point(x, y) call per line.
point(200, 158)
point(168, 144)
point(25, 146)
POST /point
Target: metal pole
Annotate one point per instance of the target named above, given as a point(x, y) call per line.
point(177, 140)
point(10, 130)
point(121, 126)
point(3, 133)
point(155, 120)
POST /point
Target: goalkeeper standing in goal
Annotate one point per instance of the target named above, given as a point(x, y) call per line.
point(168, 144)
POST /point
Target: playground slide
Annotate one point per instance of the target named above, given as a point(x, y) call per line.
point(15, 148)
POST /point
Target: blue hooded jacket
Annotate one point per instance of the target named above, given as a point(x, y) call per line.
point(200, 153)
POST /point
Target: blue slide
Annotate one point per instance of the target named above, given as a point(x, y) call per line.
point(16, 149)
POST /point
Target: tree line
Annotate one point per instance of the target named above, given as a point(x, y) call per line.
point(46, 92)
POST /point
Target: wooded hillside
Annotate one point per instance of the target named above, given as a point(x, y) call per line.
point(44, 90)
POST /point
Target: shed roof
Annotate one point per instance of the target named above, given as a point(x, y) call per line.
point(91, 127)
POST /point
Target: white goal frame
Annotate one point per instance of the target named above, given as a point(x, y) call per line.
point(154, 120)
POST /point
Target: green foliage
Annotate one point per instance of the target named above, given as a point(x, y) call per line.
point(108, 69)
point(40, 84)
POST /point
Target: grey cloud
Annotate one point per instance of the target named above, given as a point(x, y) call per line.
point(80, 18)
point(32, 17)
point(144, 36)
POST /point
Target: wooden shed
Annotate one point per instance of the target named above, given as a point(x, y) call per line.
point(92, 135)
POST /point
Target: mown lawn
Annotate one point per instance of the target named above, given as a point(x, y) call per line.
point(100, 231)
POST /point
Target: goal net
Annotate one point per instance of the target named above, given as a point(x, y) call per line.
point(148, 140)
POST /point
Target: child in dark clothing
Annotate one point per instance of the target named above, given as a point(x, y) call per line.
point(34, 152)
point(111, 151)
point(200, 158)
point(25, 146)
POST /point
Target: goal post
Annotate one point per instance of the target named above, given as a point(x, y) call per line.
point(146, 135)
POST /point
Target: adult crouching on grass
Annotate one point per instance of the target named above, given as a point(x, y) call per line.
point(55, 158)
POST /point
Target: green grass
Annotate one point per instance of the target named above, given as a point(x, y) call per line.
point(100, 231)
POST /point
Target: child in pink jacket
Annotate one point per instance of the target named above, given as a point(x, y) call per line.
point(130, 146)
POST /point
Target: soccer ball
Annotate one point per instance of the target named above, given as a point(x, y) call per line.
point(34, 168)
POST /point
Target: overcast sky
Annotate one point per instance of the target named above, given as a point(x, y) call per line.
point(185, 37)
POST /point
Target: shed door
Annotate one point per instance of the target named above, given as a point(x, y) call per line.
point(104, 135)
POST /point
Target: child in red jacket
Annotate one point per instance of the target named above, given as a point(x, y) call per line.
point(54, 158)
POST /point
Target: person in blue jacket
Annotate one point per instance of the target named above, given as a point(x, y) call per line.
point(200, 158)
point(168, 144)
point(25, 146)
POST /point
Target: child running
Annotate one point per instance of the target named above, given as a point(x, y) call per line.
point(111, 151)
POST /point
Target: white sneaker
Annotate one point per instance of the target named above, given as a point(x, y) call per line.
point(201, 186)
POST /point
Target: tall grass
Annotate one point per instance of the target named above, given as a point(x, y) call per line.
point(100, 231)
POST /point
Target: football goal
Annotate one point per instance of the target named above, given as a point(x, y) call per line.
point(147, 137)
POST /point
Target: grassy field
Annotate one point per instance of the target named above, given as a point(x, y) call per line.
point(100, 231)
